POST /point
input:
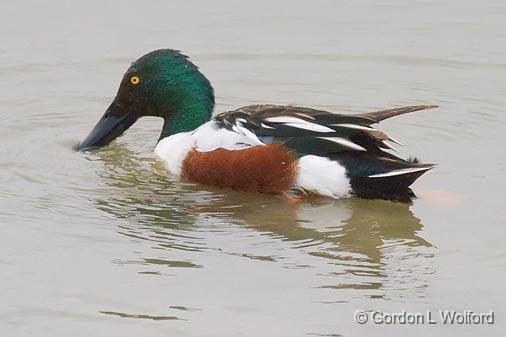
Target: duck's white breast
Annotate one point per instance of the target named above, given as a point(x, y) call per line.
point(208, 137)
point(174, 149)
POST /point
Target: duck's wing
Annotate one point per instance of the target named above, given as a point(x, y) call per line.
point(348, 139)
point(313, 131)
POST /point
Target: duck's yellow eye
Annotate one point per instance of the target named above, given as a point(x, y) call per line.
point(135, 80)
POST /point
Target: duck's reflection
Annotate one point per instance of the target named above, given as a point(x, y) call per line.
point(366, 241)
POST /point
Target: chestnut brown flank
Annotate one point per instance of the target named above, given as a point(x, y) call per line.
point(266, 169)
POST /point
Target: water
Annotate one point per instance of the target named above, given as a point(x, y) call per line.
point(108, 244)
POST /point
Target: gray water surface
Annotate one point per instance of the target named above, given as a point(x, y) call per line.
point(108, 244)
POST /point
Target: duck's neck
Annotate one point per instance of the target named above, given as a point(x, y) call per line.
point(190, 114)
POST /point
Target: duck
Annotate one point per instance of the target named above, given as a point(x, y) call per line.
point(291, 151)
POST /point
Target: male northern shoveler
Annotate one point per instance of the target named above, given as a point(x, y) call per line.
point(258, 148)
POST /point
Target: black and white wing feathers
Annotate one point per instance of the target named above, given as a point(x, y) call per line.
point(313, 131)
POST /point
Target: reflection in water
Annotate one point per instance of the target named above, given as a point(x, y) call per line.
point(365, 244)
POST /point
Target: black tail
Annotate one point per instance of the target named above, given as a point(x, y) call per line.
point(394, 187)
point(381, 177)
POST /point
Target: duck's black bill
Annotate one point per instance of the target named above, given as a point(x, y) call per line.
point(113, 124)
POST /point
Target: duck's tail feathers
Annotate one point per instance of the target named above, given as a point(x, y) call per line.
point(418, 170)
point(378, 116)
point(392, 185)
point(382, 176)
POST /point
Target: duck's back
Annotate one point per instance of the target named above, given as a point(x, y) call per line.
point(328, 154)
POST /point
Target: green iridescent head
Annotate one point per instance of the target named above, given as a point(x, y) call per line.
point(162, 83)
